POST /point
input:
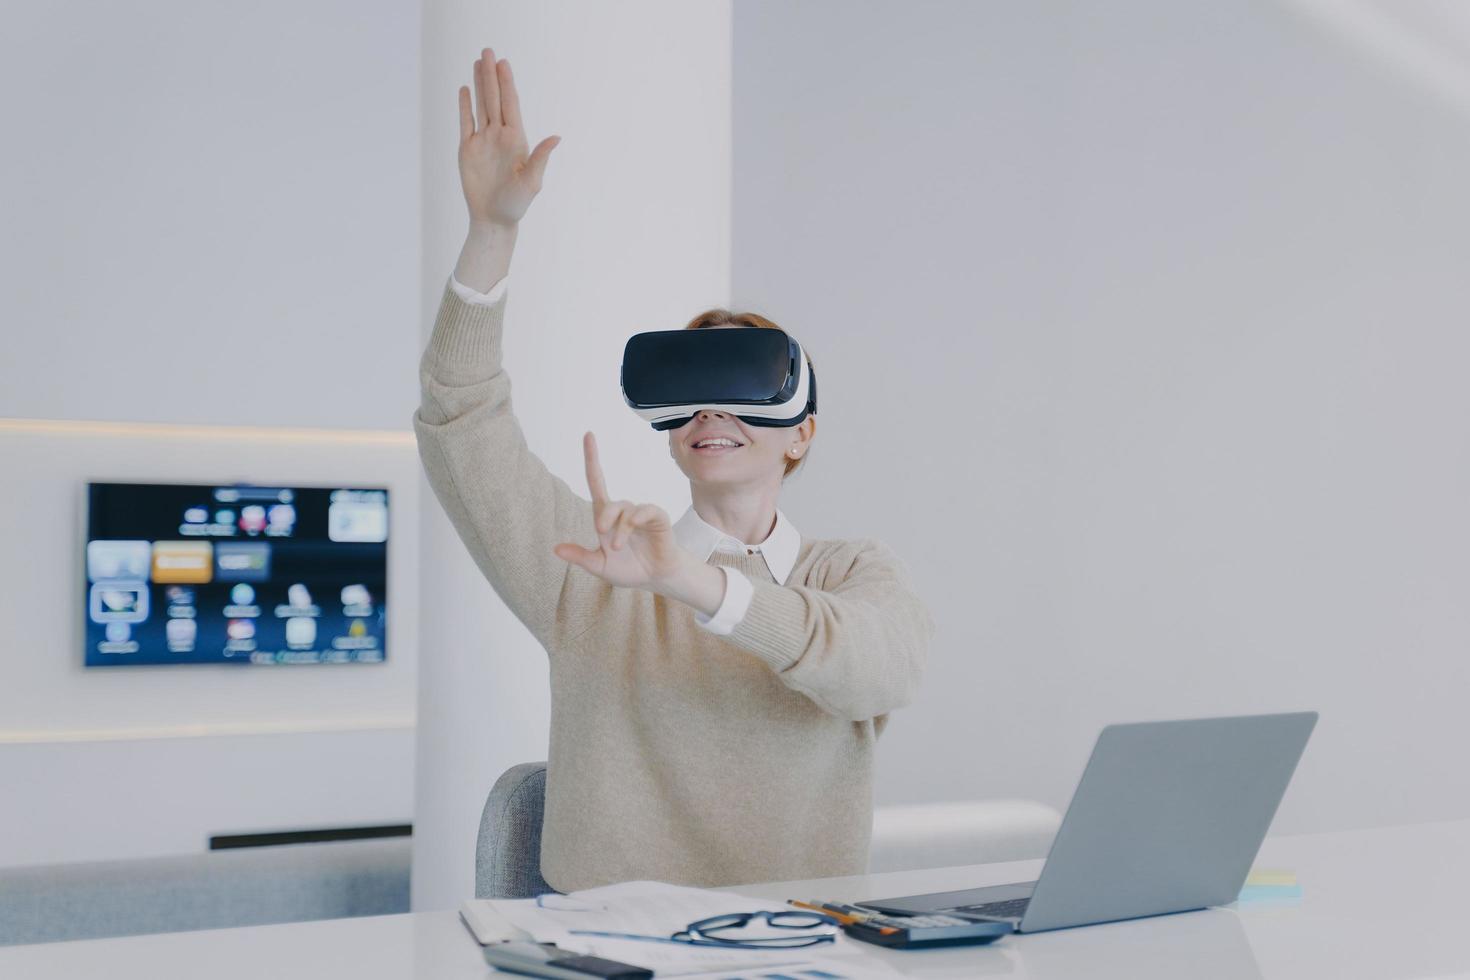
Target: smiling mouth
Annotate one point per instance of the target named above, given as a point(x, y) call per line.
point(715, 446)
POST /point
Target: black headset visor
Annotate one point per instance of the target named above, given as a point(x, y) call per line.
point(668, 375)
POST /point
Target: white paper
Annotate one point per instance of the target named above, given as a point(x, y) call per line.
point(849, 967)
point(644, 907)
point(652, 908)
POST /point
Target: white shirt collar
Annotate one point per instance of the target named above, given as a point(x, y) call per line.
point(779, 549)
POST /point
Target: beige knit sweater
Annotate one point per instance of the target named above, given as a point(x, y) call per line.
point(676, 754)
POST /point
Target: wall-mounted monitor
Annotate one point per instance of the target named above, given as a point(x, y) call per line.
point(200, 574)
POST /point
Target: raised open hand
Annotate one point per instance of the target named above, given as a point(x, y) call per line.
point(637, 546)
point(500, 179)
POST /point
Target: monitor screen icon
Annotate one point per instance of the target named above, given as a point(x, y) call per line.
point(118, 602)
point(111, 560)
point(180, 635)
point(358, 516)
point(242, 561)
point(300, 631)
point(183, 562)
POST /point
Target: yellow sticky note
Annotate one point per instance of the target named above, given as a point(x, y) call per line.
point(1264, 876)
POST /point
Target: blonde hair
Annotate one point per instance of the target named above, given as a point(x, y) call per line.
point(724, 318)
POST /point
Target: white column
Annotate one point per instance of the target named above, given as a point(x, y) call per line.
point(631, 232)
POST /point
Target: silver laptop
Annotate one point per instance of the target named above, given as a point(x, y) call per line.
point(1167, 817)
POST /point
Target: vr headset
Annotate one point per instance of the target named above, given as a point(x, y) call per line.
point(758, 375)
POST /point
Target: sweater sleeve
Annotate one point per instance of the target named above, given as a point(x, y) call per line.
point(858, 649)
point(507, 507)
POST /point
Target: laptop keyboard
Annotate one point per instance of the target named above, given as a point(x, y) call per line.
point(1011, 908)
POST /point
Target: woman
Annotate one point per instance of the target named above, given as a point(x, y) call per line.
point(714, 704)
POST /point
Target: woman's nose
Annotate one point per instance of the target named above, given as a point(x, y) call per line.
point(705, 413)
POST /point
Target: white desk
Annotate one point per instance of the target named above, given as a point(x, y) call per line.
point(1390, 902)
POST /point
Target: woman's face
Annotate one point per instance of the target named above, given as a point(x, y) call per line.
point(701, 449)
point(761, 453)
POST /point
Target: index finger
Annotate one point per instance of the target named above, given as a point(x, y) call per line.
point(594, 470)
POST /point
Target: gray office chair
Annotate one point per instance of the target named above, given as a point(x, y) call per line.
point(927, 835)
point(508, 851)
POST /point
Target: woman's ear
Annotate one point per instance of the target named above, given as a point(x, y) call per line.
point(797, 451)
point(806, 429)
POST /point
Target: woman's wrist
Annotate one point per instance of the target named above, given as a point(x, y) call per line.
point(485, 258)
point(486, 230)
point(697, 584)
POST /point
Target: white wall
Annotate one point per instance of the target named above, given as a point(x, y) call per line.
point(1141, 336)
point(105, 798)
point(631, 232)
point(197, 192)
point(127, 762)
point(210, 216)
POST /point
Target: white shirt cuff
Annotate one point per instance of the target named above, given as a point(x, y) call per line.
point(738, 593)
point(474, 296)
